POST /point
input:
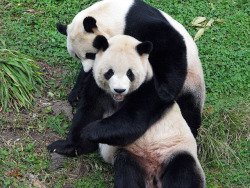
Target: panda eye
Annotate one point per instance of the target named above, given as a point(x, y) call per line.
point(130, 75)
point(90, 56)
point(109, 74)
point(77, 57)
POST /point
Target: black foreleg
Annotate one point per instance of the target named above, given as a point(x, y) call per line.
point(75, 144)
point(90, 109)
point(75, 94)
point(137, 114)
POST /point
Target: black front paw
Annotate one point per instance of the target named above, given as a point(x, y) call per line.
point(74, 97)
point(62, 147)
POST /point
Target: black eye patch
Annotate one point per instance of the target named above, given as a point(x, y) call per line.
point(130, 75)
point(90, 56)
point(109, 74)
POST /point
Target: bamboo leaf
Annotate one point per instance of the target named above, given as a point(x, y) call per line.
point(209, 24)
point(199, 34)
point(198, 20)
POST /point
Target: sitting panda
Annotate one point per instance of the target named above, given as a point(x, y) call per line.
point(166, 154)
point(178, 74)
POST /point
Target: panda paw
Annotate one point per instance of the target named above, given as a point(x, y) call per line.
point(74, 97)
point(63, 147)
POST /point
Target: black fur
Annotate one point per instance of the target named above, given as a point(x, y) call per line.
point(144, 47)
point(75, 94)
point(130, 75)
point(101, 42)
point(62, 28)
point(191, 112)
point(131, 120)
point(89, 23)
point(109, 74)
point(93, 104)
point(180, 171)
point(90, 56)
point(128, 173)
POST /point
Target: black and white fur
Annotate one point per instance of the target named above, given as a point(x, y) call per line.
point(166, 154)
point(177, 74)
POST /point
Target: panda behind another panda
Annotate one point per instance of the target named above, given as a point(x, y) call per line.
point(166, 154)
point(177, 71)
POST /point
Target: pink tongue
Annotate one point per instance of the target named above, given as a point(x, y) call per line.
point(118, 96)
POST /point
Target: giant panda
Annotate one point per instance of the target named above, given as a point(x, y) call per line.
point(177, 71)
point(166, 154)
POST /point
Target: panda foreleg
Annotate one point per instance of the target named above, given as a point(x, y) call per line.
point(182, 171)
point(75, 94)
point(140, 111)
point(128, 172)
point(75, 144)
point(89, 110)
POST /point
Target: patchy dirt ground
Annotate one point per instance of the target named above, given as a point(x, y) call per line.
point(24, 160)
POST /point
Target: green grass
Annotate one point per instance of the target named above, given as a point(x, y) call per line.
point(28, 27)
point(20, 79)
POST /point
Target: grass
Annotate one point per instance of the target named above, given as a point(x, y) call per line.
point(29, 27)
point(20, 79)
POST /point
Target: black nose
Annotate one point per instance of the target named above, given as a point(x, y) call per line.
point(119, 90)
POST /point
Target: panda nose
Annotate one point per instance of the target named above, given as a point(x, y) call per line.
point(119, 90)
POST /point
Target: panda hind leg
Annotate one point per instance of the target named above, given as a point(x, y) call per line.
point(191, 111)
point(182, 171)
point(128, 172)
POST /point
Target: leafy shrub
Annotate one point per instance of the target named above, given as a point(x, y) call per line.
point(19, 80)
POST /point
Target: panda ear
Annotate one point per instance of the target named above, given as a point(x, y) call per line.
point(144, 47)
point(100, 42)
point(89, 23)
point(62, 28)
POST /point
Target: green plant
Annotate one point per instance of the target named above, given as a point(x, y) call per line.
point(59, 124)
point(19, 80)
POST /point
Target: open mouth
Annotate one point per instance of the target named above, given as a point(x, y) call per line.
point(118, 97)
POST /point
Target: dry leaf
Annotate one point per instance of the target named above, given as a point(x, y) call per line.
point(199, 34)
point(196, 21)
point(16, 173)
point(209, 24)
point(219, 20)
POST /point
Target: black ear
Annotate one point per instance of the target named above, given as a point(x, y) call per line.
point(144, 47)
point(61, 28)
point(101, 42)
point(89, 23)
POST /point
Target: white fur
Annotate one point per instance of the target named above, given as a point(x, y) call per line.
point(110, 16)
point(120, 56)
point(165, 138)
point(119, 82)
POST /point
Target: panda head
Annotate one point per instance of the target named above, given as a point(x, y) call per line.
point(121, 64)
point(80, 37)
